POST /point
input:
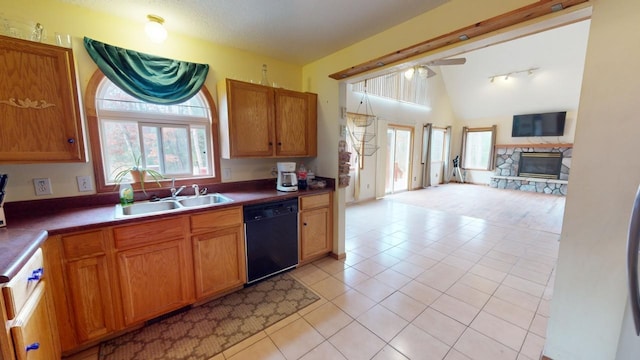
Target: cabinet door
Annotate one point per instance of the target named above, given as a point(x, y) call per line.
point(88, 284)
point(32, 333)
point(219, 261)
point(250, 111)
point(90, 297)
point(292, 127)
point(315, 233)
point(154, 279)
point(39, 104)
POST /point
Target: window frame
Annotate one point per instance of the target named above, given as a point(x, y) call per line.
point(465, 132)
point(95, 146)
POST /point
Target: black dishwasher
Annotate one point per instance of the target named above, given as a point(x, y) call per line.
point(271, 235)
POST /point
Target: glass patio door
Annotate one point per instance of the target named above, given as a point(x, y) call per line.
point(398, 174)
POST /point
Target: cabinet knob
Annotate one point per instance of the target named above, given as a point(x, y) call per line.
point(71, 140)
point(270, 143)
point(34, 346)
point(279, 143)
point(36, 274)
point(305, 224)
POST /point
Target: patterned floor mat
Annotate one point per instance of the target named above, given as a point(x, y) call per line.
point(204, 331)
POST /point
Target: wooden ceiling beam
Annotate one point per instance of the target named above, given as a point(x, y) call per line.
point(525, 13)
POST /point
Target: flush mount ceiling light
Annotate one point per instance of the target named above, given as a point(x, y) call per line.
point(155, 29)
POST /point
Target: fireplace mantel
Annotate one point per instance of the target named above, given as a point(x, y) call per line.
point(499, 146)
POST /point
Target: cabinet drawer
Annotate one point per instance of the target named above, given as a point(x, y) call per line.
point(315, 201)
point(84, 244)
point(32, 333)
point(17, 291)
point(216, 219)
point(149, 233)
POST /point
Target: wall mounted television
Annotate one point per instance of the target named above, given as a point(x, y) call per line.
point(544, 124)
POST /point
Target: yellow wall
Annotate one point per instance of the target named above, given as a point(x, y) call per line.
point(79, 22)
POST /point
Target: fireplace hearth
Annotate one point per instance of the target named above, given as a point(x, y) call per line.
point(542, 165)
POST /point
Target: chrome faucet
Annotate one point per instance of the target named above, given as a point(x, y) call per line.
point(196, 189)
point(175, 192)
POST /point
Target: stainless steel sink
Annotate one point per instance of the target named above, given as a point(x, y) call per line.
point(210, 199)
point(169, 205)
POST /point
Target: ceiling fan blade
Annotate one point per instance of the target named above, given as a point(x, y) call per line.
point(455, 61)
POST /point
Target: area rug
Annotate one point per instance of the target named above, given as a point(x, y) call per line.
point(204, 331)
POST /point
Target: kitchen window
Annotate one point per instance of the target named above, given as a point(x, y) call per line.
point(175, 140)
point(478, 148)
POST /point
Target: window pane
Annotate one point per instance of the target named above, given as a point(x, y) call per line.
point(477, 150)
point(199, 151)
point(151, 141)
point(122, 146)
point(175, 148)
point(113, 98)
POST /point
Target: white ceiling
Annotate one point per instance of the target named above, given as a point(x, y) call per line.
point(297, 31)
point(558, 53)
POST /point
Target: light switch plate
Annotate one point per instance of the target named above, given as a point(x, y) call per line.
point(226, 174)
point(84, 183)
point(42, 186)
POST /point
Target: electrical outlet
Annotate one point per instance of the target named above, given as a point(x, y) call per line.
point(84, 183)
point(42, 186)
point(226, 174)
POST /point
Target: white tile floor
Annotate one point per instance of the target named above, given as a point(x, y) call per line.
point(420, 284)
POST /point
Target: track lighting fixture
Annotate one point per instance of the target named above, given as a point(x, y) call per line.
point(511, 74)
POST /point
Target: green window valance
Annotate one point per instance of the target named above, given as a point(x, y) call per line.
point(147, 77)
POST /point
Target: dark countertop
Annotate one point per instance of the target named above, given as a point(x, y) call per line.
point(28, 223)
point(16, 247)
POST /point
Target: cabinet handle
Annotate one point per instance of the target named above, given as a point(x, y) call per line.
point(71, 141)
point(270, 143)
point(305, 224)
point(34, 346)
point(36, 274)
point(279, 143)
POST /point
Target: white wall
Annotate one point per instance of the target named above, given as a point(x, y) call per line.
point(590, 295)
point(439, 112)
point(503, 136)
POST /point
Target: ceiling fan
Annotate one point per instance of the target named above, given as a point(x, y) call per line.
point(424, 71)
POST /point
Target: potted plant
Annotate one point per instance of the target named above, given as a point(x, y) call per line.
point(138, 174)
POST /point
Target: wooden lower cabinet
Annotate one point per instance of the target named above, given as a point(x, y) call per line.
point(30, 329)
point(155, 268)
point(218, 251)
point(316, 229)
point(219, 261)
point(33, 330)
point(89, 283)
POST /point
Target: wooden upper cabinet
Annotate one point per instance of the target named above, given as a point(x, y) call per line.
point(39, 104)
point(261, 121)
point(296, 119)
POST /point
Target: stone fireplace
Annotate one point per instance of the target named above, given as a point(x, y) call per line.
point(540, 168)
